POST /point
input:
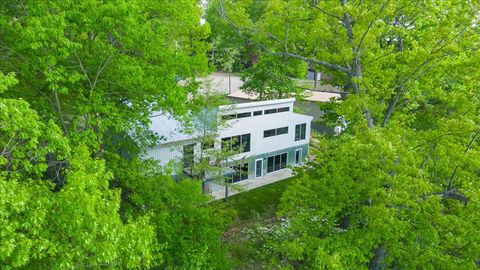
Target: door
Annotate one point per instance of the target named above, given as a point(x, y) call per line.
point(276, 163)
point(298, 156)
point(258, 168)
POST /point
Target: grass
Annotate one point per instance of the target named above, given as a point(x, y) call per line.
point(261, 200)
point(256, 206)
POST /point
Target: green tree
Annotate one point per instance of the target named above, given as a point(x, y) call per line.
point(398, 188)
point(270, 79)
point(97, 69)
point(42, 226)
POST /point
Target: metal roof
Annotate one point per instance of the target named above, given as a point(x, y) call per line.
point(168, 128)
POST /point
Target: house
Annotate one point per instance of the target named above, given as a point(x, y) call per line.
point(270, 135)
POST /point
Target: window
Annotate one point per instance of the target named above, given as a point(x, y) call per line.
point(270, 111)
point(208, 144)
point(255, 113)
point(245, 142)
point(283, 130)
point(241, 173)
point(229, 117)
point(243, 115)
point(298, 156)
point(300, 132)
point(277, 110)
point(236, 116)
point(275, 131)
point(240, 142)
point(275, 163)
point(269, 133)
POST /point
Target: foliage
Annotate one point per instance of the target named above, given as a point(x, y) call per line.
point(76, 227)
point(89, 74)
point(270, 79)
point(98, 68)
point(188, 229)
point(399, 188)
point(399, 215)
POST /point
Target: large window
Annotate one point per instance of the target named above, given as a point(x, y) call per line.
point(241, 173)
point(300, 132)
point(275, 163)
point(274, 132)
point(237, 143)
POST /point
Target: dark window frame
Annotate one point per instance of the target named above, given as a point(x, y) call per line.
point(277, 162)
point(270, 111)
point(257, 113)
point(244, 115)
point(300, 132)
point(275, 132)
point(241, 172)
point(233, 142)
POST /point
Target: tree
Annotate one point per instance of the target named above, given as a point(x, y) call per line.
point(216, 159)
point(97, 69)
point(45, 226)
point(271, 80)
point(373, 49)
point(397, 188)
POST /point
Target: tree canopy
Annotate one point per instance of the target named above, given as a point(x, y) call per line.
point(399, 188)
point(79, 81)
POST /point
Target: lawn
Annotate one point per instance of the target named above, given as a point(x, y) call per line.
point(261, 200)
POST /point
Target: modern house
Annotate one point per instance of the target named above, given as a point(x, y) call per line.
point(269, 134)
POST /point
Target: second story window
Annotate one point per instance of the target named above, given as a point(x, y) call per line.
point(277, 110)
point(240, 143)
point(274, 132)
point(300, 132)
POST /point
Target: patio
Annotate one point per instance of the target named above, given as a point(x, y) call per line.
point(218, 191)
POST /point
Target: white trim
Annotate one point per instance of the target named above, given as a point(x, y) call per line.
point(299, 157)
point(261, 171)
point(257, 104)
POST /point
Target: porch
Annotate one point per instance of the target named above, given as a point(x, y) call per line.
point(218, 191)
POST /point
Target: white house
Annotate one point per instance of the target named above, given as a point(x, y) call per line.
point(270, 134)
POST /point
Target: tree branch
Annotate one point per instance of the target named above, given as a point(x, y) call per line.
point(454, 174)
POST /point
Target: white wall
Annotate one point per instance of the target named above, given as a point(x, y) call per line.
point(165, 153)
point(256, 125)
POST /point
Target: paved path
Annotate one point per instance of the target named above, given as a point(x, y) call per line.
point(218, 191)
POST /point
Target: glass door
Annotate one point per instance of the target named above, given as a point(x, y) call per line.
point(258, 168)
point(298, 156)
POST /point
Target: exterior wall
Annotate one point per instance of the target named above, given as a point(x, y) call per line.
point(167, 154)
point(290, 158)
point(260, 147)
point(256, 125)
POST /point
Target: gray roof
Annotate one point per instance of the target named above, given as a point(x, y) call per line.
point(168, 128)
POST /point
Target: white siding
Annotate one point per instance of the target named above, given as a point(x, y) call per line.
point(166, 153)
point(256, 125)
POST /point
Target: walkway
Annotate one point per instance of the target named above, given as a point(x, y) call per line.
point(218, 191)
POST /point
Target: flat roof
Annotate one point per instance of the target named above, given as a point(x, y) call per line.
point(258, 103)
